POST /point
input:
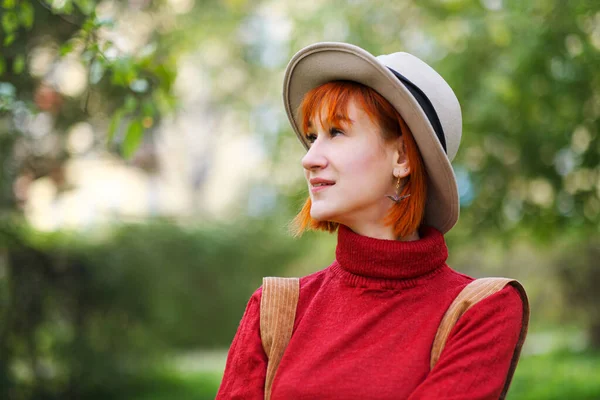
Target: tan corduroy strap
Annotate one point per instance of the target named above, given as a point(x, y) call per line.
point(473, 293)
point(277, 315)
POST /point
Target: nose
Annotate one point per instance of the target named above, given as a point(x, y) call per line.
point(314, 157)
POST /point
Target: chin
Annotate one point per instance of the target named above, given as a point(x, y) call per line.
point(319, 214)
point(322, 214)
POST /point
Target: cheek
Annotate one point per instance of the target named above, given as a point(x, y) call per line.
point(369, 169)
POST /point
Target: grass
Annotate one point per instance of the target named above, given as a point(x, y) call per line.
point(173, 385)
point(559, 375)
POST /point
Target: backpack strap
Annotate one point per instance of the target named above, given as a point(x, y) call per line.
point(277, 315)
point(473, 293)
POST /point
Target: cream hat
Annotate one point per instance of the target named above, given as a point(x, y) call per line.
point(421, 96)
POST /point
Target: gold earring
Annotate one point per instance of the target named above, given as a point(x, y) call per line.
point(397, 198)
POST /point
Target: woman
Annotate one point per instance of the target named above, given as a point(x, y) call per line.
point(380, 134)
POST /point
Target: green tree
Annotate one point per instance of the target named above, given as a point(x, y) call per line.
point(65, 62)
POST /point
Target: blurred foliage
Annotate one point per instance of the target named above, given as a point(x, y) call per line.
point(579, 275)
point(82, 315)
point(65, 62)
point(560, 375)
point(526, 77)
point(166, 384)
point(555, 376)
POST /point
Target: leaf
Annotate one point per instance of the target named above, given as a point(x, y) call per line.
point(2, 65)
point(115, 122)
point(123, 72)
point(88, 25)
point(27, 15)
point(134, 136)
point(67, 8)
point(165, 76)
point(10, 22)
point(131, 104)
point(9, 39)
point(86, 6)
point(148, 108)
point(19, 64)
point(66, 48)
point(164, 100)
point(9, 4)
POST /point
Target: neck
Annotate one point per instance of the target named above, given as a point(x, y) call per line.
point(379, 231)
point(369, 222)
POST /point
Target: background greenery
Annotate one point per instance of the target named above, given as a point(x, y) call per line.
point(146, 309)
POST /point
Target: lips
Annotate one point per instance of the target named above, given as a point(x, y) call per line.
point(322, 184)
point(318, 184)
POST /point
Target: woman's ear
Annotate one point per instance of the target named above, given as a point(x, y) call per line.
point(401, 162)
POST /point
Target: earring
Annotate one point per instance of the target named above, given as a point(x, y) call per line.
point(397, 198)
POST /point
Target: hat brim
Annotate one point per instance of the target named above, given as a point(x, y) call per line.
point(324, 62)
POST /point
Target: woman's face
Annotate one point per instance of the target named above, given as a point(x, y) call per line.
point(350, 170)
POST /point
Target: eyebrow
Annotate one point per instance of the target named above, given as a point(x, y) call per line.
point(337, 117)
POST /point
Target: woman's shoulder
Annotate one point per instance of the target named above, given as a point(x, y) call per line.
point(487, 294)
point(495, 289)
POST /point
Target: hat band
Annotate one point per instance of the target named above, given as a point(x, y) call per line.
point(426, 105)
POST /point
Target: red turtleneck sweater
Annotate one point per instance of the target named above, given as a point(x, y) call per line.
point(365, 326)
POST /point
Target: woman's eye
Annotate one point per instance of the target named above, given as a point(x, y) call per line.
point(335, 132)
point(311, 137)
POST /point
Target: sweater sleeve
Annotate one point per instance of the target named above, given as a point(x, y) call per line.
point(476, 360)
point(246, 366)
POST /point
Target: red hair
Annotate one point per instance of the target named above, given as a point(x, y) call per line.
point(329, 102)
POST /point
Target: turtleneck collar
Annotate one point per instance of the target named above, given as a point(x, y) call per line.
point(364, 260)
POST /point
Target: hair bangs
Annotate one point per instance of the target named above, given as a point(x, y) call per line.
point(327, 105)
